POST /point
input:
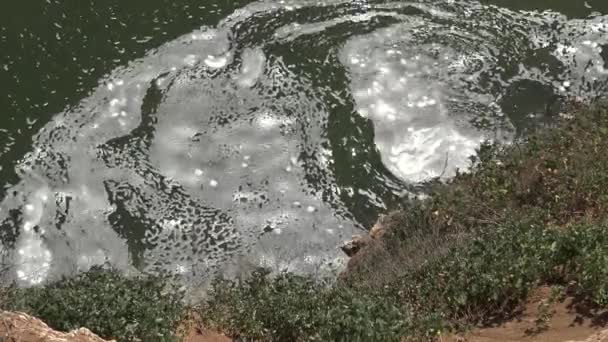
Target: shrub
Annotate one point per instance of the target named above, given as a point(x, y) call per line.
point(492, 275)
point(293, 308)
point(584, 250)
point(106, 302)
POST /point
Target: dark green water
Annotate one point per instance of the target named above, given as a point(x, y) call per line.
point(183, 136)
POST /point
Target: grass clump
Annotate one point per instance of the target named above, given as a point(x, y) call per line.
point(105, 301)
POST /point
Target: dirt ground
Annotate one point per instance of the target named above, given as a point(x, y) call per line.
point(191, 331)
point(568, 320)
point(196, 335)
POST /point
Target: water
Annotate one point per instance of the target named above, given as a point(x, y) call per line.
point(174, 137)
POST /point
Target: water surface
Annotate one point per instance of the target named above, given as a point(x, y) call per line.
point(174, 137)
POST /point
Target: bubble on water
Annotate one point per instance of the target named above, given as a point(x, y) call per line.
point(181, 269)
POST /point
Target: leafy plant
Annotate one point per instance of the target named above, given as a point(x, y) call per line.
point(106, 302)
point(293, 308)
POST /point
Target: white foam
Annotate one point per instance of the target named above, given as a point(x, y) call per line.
point(217, 120)
point(416, 138)
point(216, 62)
point(33, 260)
point(268, 121)
point(252, 67)
point(190, 60)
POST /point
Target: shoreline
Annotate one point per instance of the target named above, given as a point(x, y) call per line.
point(527, 216)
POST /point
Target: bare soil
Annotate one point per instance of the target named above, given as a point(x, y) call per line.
point(568, 320)
point(198, 335)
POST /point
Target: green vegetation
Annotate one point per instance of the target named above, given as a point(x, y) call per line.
point(111, 305)
point(293, 308)
point(475, 282)
point(526, 215)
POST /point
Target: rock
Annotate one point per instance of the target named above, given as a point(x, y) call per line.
point(18, 326)
point(358, 242)
point(352, 247)
point(377, 230)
